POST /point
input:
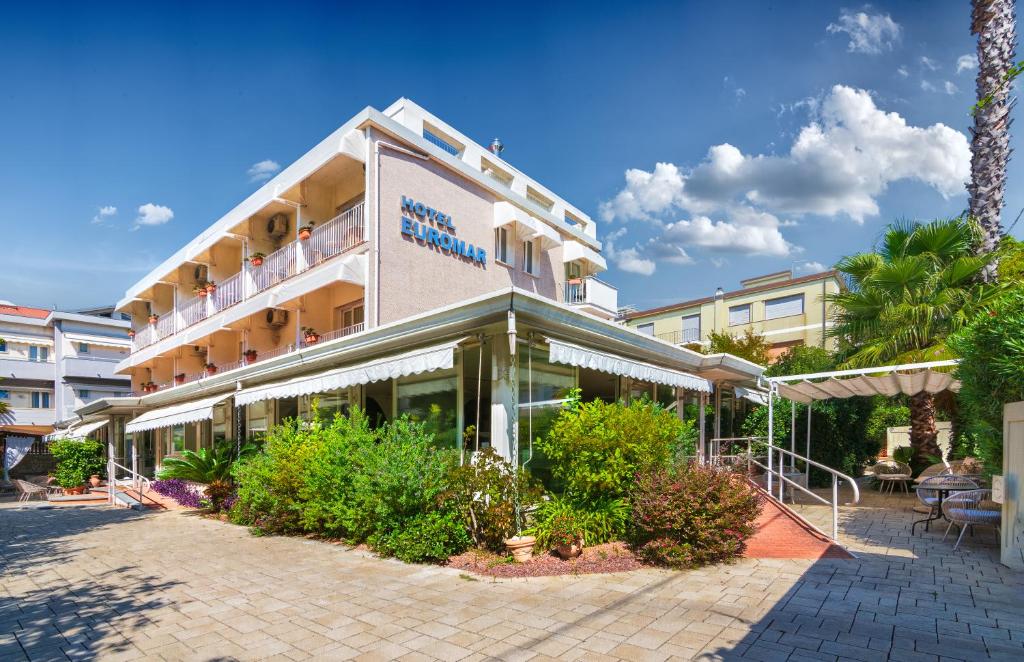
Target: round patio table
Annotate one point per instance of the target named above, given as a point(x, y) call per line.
point(943, 486)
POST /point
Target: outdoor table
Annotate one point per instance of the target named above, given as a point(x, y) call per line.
point(943, 493)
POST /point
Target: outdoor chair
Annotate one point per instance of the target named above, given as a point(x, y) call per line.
point(26, 490)
point(889, 472)
point(965, 509)
point(933, 491)
point(46, 481)
point(937, 469)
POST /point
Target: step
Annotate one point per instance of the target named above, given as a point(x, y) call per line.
point(90, 496)
point(127, 501)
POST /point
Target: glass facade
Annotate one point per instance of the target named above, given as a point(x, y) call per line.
point(433, 400)
point(543, 389)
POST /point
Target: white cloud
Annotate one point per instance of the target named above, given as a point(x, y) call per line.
point(869, 33)
point(646, 193)
point(627, 259)
point(726, 237)
point(810, 267)
point(903, 71)
point(950, 88)
point(929, 63)
point(263, 170)
point(927, 87)
point(103, 214)
point(967, 62)
point(151, 214)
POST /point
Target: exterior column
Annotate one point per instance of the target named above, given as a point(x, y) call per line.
point(504, 401)
point(1012, 532)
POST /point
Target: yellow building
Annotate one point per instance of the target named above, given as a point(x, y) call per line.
point(788, 311)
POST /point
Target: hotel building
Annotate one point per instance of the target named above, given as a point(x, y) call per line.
point(398, 266)
point(787, 310)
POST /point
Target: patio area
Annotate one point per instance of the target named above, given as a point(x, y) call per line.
point(114, 584)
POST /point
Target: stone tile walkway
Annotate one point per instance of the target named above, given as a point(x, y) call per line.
point(120, 585)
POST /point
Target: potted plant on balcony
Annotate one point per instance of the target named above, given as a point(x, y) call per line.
point(310, 334)
point(153, 317)
point(131, 333)
point(211, 287)
point(179, 378)
point(211, 369)
point(305, 232)
point(199, 289)
point(256, 259)
point(149, 387)
point(250, 356)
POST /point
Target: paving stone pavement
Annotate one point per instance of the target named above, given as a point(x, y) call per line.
point(119, 585)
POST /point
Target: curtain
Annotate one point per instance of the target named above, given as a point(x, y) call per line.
point(17, 449)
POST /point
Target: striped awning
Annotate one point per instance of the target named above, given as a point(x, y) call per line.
point(79, 431)
point(593, 359)
point(166, 417)
point(895, 383)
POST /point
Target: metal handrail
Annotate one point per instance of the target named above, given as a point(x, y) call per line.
point(140, 483)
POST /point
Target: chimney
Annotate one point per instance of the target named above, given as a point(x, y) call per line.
point(496, 147)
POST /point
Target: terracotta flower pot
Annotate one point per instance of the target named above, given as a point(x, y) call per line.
point(80, 489)
point(570, 551)
point(256, 261)
point(94, 480)
point(179, 379)
point(131, 333)
point(520, 547)
point(250, 357)
point(211, 288)
point(211, 370)
point(305, 233)
point(153, 319)
point(312, 339)
point(202, 292)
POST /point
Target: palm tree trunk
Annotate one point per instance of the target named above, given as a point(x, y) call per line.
point(924, 436)
point(995, 24)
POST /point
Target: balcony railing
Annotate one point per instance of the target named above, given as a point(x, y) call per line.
point(591, 292)
point(680, 337)
point(337, 333)
point(327, 240)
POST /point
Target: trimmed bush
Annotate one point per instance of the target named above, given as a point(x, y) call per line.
point(691, 517)
point(77, 459)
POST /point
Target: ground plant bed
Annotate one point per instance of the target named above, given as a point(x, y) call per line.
point(610, 557)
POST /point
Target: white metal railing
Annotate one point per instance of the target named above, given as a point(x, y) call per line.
point(774, 466)
point(144, 337)
point(276, 267)
point(165, 325)
point(337, 333)
point(591, 291)
point(334, 237)
point(680, 337)
point(141, 484)
point(229, 291)
point(192, 311)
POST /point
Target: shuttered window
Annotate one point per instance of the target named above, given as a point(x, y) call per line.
point(784, 307)
point(739, 315)
point(691, 328)
point(646, 329)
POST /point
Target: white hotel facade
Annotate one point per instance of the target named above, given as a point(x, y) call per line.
point(401, 267)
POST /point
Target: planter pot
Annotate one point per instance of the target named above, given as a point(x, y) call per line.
point(179, 379)
point(305, 234)
point(94, 480)
point(153, 319)
point(520, 547)
point(131, 334)
point(210, 289)
point(569, 551)
point(79, 489)
point(256, 261)
point(312, 339)
point(211, 371)
point(202, 293)
point(250, 358)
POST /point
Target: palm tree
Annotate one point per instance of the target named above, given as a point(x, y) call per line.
point(210, 466)
point(905, 299)
point(994, 23)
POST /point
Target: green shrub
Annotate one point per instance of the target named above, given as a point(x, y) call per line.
point(486, 493)
point(565, 530)
point(209, 466)
point(600, 520)
point(595, 449)
point(885, 415)
point(903, 454)
point(692, 516)
point(991, 373)
point(77, 460)
point(429, 536)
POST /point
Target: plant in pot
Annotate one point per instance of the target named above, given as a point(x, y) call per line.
point(77, 460)
point(211, 287)
point(179, 378)
point(131, 333)
point(310, 334)
point(305, 232)
point(256, 259)
point(153, 317)
point(250, 356)
point(566, 536)
point(199, 289)
point(211, 369)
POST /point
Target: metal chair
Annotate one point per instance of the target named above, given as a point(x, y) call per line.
point(965, 509)
point(26, 490)
point(889, 472)
point(932, 490)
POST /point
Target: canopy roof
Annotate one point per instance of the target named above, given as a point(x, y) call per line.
point(907, 379)
point(80, 431)
point(585, 357)
point(166, 417)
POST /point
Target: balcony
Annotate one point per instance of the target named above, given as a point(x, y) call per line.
point(327, 240)
point(91, 367)
point(22, 368)
point(681, 337)
point(593, 295)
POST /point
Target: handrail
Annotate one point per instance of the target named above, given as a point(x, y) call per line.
point(140, 483)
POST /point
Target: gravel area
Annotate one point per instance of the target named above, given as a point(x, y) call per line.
point(610, 557)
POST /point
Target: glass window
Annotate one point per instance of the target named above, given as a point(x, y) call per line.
point(176, 440)
point(327, 404)
point(3, 345)
point(83, 348)
point(84, 393)
point(5, 395)
point(220, 426)
point(40, 400)
point(784, 307)
point(501, 245)
point(528, 259)
point(639, 390)
point(739, 314)
point(543, 388)
point(35, 399)
point(434, 401)
point(349, 317)
point(257, 418)
point(646, 329)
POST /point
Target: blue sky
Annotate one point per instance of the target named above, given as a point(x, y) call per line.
point(162, 111)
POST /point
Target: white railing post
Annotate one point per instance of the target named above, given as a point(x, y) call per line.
point(771, 432)
point(835, 507)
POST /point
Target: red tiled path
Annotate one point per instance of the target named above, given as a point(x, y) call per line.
point(782, 535)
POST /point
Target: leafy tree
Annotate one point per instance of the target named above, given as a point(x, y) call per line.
point(920, 285)
point(750, 346)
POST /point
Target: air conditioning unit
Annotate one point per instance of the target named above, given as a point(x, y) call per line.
point(277, 225)
point(198, 351)
point(277, 317)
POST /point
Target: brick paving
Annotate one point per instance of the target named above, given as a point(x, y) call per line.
point(120, 585)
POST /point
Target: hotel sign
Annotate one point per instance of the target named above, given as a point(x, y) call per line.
point(430, 227)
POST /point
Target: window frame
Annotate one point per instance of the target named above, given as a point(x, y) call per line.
point(789, 297)
point(750, 314)
point(83, 348)
point(640, 328)
point(501, 246)
point(530, 255)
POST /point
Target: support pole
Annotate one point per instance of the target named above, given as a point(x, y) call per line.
point(792, 435)
point(702, 399)
point(807, 464)
point(771, 430)
point(718, 420)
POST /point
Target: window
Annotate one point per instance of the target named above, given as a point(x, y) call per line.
point(739, 314)
point(784, 307)
point(437, 137)
point(691, 328)
point(495, 173)
point(501, 245)
point(646, 329)
point(539, 198)
point(84, 394)
point(3, 345)
point(5, 395)
point(41, 354)
point(529, 257)
point(349, 318)
point(83, 348)
point(40, 400)
point(434, 402)
point(176, 440)
point(572, 220)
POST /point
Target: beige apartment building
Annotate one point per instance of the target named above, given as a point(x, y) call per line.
point(786, 310)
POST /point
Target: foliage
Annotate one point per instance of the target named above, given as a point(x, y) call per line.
point(424, 536)
point(564, 530)
point(489, 493)
point(750, 346)
point(179, 490)
point(886, 414)
point(903, 454)
point(77, 459)
point(595, 449)
point(599, 521)
point(991, 373)
point(692, 516)
point(209, 466)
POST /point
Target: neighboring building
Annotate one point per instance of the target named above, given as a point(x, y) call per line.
point(436, 281)
point(52, 363)
point(787, 311)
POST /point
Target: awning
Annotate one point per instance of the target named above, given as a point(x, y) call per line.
point(428, 359)
point(104, 341)
point(38, 341)
point(527, 227)
point(80, 431)
point(583, 357)
point(573, 251)
point(895, 383)
point(757, 397)
point(188, 412)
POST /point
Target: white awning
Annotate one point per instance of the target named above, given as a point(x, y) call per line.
point(79, 431)
point(428, 359)
point(527, 227)
point(584, 357)
point(104, 341)
point(755, 396)
point(38, 341)
point(573, 251)
point(894, 383)
point(188, 412)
